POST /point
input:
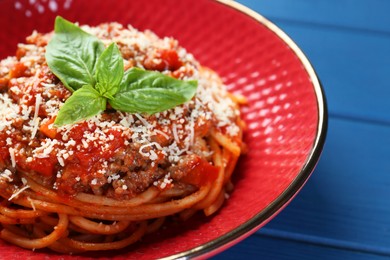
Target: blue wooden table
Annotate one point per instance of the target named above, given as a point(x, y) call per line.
point(343, 212)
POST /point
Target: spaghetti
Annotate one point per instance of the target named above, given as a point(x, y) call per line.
point(105, 182)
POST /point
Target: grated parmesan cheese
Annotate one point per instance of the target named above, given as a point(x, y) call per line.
point(38, 100)
point(12, 155)
point(32, 203)
point(7, 174)
point(164, 138)
point(18, 192)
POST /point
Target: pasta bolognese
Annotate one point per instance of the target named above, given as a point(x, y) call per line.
point(103, 182)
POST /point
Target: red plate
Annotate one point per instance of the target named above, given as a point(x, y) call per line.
point(286, 115)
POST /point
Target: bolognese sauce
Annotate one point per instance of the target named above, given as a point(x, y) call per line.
point(114, 154)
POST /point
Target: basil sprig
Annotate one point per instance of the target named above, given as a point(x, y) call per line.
point(96, 76)
point(154, 91)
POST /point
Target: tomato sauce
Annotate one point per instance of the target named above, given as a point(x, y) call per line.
point(115, 154)
point(200, 173)
point(163, 59)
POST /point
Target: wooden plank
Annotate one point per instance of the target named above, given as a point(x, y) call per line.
point(347, 197)
point(358, 14)
point(264, 247)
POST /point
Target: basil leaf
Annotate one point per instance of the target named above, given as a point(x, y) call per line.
point(150, 92)
point(109, 71)
point(82, 104)
point(72, 54)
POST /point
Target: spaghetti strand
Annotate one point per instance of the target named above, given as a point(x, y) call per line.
point(26, 242)
point(104, 182)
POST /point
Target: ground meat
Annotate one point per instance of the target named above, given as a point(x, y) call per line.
point(183, 167)
point(136, 182)
point(114, 154)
